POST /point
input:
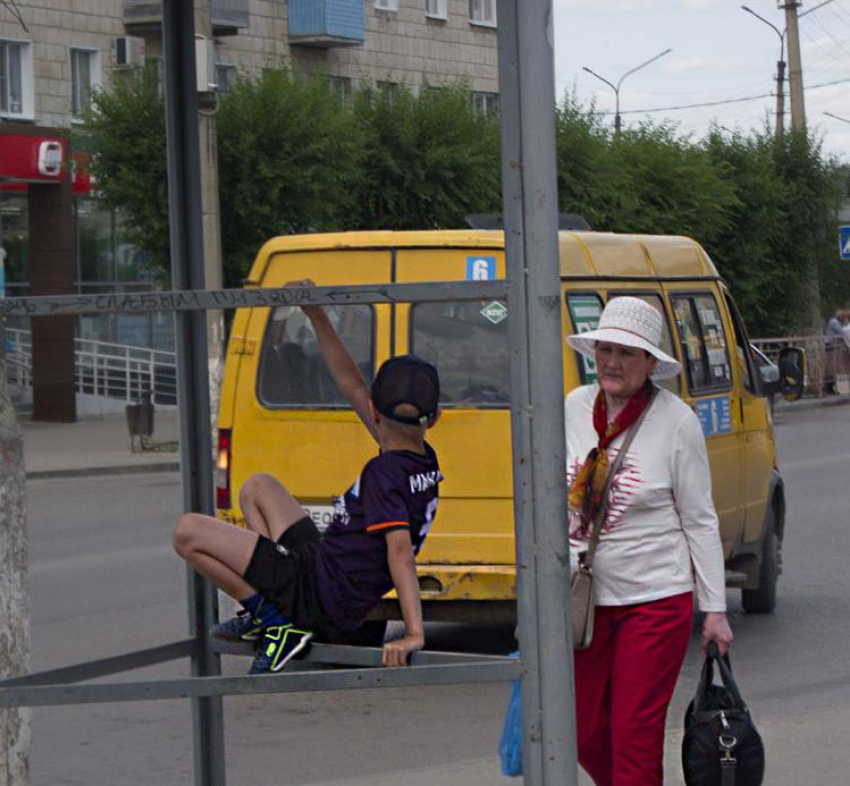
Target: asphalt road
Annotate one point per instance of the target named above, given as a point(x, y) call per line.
point(104, 581)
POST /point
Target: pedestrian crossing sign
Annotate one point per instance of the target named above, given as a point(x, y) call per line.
point(844, 242)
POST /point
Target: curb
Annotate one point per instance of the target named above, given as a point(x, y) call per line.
point(813, 403)
point(83, 472)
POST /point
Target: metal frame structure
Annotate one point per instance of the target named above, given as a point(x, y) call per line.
point(533, 294)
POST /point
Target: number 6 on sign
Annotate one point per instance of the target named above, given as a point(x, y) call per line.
point(480, 268)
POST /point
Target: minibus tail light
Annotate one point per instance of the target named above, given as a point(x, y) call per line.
point(222, 470)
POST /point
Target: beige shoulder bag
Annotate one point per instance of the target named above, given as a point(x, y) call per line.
point(582, 595)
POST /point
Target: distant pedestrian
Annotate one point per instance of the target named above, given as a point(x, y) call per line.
point(834, 350)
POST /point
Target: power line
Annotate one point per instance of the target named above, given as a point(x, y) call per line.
point(718, 103)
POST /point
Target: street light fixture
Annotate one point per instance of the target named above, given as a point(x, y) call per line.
point(780, 73)
point(836, 117)
point(616, 88)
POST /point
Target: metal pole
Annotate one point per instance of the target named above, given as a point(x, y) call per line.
point(795, 67)
point(780, 98)
point(527, 87)
point(187, 259)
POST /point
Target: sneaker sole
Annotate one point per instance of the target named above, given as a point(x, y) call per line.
point(302, 645)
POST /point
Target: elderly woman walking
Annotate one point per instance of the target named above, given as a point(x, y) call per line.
point(659, 535)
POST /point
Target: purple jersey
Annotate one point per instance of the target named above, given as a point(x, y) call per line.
point(396, 490)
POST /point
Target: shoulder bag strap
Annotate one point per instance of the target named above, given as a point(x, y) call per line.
point(609, 479)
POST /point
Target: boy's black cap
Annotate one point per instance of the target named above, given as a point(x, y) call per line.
point(407, 379)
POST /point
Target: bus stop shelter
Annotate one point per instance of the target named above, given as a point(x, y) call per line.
point(526, 75)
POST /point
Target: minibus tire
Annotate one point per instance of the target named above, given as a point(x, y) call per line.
point(763, 599)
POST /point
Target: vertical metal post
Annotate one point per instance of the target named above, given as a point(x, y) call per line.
point(187, 262)
point(527, 86)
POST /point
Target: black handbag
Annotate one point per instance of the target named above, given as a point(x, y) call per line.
point(722, 746)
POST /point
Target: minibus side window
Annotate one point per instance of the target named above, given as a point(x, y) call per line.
point(585, 309)
point(749, 368)
point(468, 343)
point(704, 343)
point(673, 384)
point(293, 373)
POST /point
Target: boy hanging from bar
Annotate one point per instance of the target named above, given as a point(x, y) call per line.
point(294, 582)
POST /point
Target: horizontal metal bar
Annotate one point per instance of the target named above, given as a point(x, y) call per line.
point(198, 300)
point(105, 666)
point(504, 670)
point(350, 655)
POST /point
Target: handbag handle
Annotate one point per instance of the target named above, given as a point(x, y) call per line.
point(724, 666)
point(587, 562)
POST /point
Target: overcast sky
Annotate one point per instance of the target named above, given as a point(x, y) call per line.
point(719, 53)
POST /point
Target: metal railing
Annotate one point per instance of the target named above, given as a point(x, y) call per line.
point(103, 369)
point(827, 361)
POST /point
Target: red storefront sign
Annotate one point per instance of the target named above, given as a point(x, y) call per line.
point(33, 159)
point(42, 159)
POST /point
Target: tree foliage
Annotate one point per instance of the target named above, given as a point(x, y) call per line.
point(293, 159)
point(125, 134)
point(289, 161)
point(428, 159)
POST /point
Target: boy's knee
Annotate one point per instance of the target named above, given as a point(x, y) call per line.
point(255, 487)
point(184, 533)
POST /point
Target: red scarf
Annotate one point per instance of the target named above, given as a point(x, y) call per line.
point(586, 490)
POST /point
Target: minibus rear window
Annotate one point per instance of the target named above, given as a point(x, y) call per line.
point(293, 373)
point(468, 343)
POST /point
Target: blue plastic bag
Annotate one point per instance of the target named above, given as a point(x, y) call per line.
point(510, 744)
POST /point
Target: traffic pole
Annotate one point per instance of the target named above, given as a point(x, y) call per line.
point(530, 199)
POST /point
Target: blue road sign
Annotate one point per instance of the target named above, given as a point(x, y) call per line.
point(844, 242)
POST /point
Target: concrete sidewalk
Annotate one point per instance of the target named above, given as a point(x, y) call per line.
point(100, 445)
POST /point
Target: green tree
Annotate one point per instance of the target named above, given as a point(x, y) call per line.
point(125, 134)
point(289, 157)
point(429, 159)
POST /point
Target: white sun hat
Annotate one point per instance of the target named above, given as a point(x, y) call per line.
point(630, 322)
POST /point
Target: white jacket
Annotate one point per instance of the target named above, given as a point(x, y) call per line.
point(660, 531)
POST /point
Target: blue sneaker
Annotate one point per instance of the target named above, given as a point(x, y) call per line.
point(279, 645)
point(242, 627)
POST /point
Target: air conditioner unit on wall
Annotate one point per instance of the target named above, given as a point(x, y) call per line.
point(129, 51)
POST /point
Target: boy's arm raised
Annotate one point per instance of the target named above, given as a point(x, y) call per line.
point(343, 369)
point(403, 570)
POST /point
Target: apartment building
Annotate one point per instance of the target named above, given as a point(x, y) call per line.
point(53, 53)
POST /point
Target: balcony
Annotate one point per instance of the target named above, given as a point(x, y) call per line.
point(228, 16)
point(325, 23)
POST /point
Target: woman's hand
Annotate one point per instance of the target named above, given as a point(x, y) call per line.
point(715, 627)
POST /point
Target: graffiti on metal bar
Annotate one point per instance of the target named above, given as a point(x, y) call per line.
point(198, 300)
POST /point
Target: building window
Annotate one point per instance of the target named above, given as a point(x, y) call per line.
point(85, 75)
point(340, 86)
point(225, 77)
point(482, 12)
point(15, 79)
point(389, 90)
point(485, 103)
point(436, 9)
point(386, 5)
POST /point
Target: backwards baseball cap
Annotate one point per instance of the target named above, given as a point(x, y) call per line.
point(407, 379)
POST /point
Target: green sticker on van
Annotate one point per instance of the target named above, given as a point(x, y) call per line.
point(496, 312)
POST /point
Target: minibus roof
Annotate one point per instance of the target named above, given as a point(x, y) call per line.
point(583, 254)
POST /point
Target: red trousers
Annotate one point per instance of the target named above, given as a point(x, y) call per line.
point(624, 683)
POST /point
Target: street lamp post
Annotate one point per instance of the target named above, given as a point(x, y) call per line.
point(780, 73)
point(616, 88)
